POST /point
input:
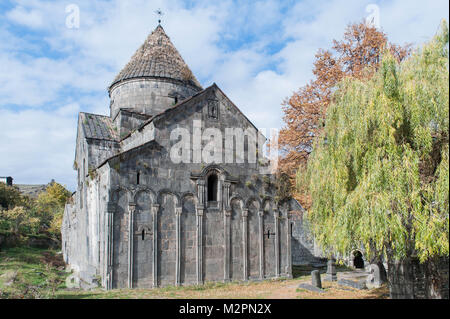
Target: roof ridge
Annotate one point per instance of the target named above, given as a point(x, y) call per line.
point(95, 114)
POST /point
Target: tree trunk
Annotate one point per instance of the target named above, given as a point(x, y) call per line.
point(409, 279)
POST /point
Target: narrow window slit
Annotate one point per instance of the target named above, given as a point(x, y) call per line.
point(212, 188)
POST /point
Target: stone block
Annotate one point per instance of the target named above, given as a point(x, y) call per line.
point(315, 279)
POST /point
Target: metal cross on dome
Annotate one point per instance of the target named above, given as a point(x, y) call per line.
point(160, 14)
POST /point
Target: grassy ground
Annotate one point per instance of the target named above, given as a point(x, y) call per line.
point(30, 273)
point(38, 273)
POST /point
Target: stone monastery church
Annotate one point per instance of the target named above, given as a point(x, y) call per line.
point(140, 220)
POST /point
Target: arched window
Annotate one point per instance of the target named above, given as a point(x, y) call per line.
point(212, 188)
point(138, 178)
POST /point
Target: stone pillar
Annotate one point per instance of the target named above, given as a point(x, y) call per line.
point(109, 231)
point(220, 203)
point(201, 193)
point(315, 279)
point(227, 230)
point(226, 195)
point(289, 248)
point(227, 246)
point(200, 209)
point(331, 270)
point(199, 245)
point(261, 244)
point(277, 243)
point(131, 210)
point(155, 210)
point(178, 211)
point(244, 243)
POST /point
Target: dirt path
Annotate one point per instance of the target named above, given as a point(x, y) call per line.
point(277, 289)
point(287, 291)
point(332, 291)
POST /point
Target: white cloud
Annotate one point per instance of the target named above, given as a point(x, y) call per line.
point(29, 18)
point(37, 146)
point(257, 52)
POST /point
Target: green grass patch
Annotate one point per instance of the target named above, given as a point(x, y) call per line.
point(27, 272)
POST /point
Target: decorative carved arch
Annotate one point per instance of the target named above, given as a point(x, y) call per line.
point(113, 192)
point(268, 199)
point(147, 228)
point(188, 194)
point(237, 197)
point(214, 168)
point(253, 199)
point(144, 189)
point(164, 191)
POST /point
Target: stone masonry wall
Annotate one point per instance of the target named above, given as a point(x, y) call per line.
point(195, 242)
point(304, 250)
point(148, 96)
point(144, 221)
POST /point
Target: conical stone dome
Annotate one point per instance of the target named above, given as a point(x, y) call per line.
point(158, 58)
point(155, 78)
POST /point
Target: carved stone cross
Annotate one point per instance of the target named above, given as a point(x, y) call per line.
point(269, 234)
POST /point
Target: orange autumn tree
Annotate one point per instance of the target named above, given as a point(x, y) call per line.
point(358, 55)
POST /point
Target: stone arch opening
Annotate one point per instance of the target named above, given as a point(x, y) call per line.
point(358, 261)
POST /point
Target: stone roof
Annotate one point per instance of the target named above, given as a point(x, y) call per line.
point(157, 57)
point(98, 127)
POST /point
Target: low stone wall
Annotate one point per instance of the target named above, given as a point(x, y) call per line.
point(11, 240)
point(8, 240)
point(303, 249)
point(43, 242)
point(409, 279)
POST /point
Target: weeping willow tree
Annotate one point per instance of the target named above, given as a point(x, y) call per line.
point(378, 175)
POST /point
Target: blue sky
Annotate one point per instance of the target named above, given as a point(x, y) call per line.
point(258, 52)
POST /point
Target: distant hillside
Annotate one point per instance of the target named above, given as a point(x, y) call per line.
point(32, 191)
